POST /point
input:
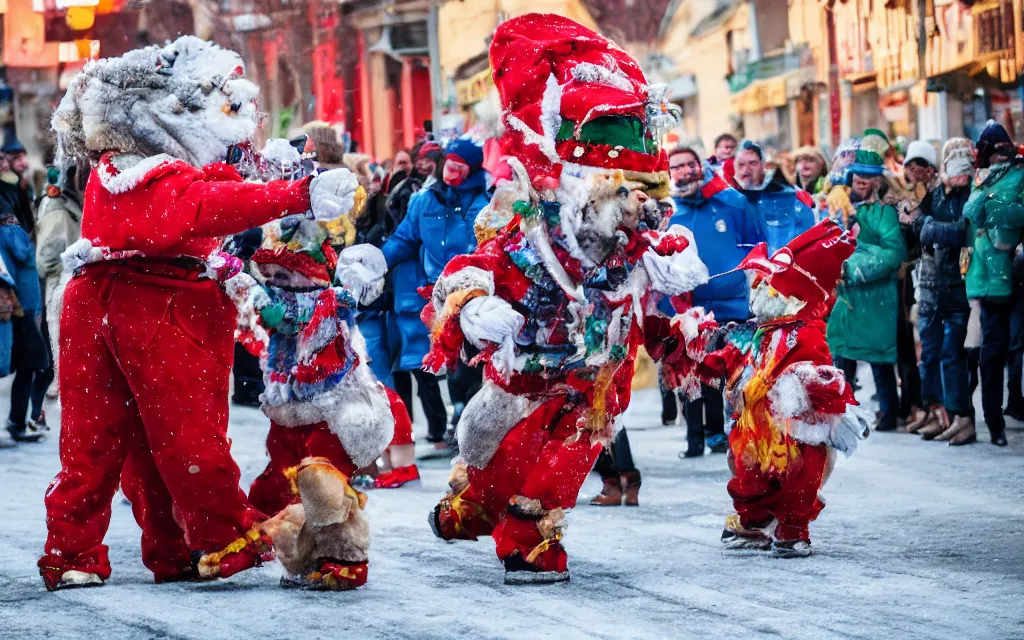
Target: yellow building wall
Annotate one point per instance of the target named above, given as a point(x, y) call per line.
point(707, 58)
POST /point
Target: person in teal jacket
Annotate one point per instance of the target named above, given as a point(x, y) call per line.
point(863, 323)
point(995, 217)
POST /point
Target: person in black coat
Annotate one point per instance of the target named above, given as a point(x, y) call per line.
point(943, 309)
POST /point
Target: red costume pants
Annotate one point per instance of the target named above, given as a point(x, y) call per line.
point(145, 360)
point(545, 457)
point(287, 446)
point(789, 496)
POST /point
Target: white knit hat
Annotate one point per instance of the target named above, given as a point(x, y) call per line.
point(921, 150)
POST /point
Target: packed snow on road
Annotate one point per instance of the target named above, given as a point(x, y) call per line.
point(919, 540)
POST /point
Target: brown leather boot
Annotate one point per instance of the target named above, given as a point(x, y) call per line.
point(611, 494)
point(631, 489)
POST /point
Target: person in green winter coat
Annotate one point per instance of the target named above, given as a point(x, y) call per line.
point(863, 323)
point(995, 217)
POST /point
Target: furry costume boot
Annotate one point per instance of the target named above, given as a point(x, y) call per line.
point(322, 542)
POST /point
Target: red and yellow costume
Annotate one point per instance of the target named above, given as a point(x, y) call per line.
point(791, 406)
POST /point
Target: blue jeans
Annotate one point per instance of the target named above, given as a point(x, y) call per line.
point(886, 387)
point(943, 358)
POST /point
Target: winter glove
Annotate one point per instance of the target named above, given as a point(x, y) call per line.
point(332, 193)
point(672, 263)
point(361, 270)
point(489, 319)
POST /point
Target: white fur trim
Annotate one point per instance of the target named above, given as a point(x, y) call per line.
point(679, 272)
point(126, 171)
point(551, 108)
point(597, 74)
point(530, 136)
point(465, 279)
point(791, 406)
point(80, 578)
point(487, 418)
point(356, 410)
point(789, 396)
point(333, 194)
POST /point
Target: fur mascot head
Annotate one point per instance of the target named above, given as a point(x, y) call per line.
point(187, 100)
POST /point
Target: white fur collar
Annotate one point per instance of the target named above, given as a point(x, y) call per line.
point(126, 171)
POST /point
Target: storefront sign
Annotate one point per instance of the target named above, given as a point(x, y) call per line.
point(474, 88)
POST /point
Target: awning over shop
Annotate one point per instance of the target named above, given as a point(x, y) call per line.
point(760, 95)
point(683, 87)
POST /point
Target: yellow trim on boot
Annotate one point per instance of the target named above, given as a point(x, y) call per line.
point(209, 564)
point(544, 546)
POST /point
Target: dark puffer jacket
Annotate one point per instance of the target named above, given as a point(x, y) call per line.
point(942, 232)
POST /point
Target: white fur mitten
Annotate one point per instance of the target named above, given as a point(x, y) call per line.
point(361, 270)
point(490, 319)
point(332, 193)
point(674, 271)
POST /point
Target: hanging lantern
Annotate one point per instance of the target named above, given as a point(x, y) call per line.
point(80, 18)
point(106, 6)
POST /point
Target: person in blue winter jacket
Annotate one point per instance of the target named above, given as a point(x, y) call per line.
point(725, 227)
point(785, 210)
point(437, 227)
point(28, 352)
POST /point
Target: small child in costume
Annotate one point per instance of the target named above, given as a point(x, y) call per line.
point(321, 396)
point(792, 409)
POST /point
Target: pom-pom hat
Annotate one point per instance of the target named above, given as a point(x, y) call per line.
point(870, 157)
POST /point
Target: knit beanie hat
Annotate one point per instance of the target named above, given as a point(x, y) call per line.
point(921, 150)
point(871, 154)
point(467, 151)
point(958, 157)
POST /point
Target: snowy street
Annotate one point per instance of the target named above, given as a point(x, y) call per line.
point(919, 540)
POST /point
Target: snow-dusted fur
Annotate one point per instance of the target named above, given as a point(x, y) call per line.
point(131, 169)
point(356, 410)
point(488, 416)
point(678, 272)
point(767, 304)
point(185, 99)
point(328, 523)
point(791, 406)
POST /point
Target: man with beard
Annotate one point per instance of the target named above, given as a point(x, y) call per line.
point(725, 227)
point(786, 212)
